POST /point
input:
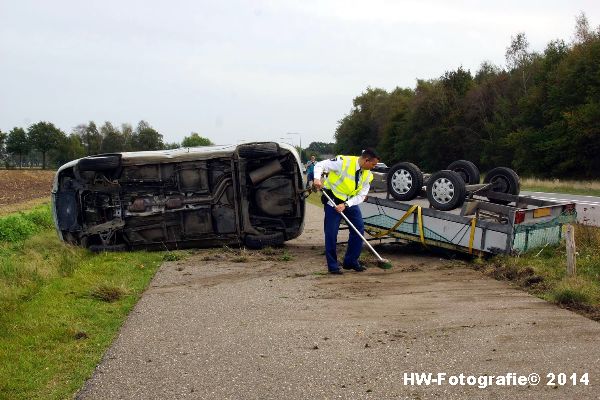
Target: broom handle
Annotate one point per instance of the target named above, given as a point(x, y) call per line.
point(353, 227)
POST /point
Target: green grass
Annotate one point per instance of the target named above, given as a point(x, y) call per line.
point(19, 226)
point(543, 273)
point(60, 306)
point(585, 188)
point(564, 190)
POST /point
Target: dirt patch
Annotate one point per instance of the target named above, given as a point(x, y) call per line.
point(21, 186)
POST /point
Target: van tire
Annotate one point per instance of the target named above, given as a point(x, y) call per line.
point(268, 149)
point(102, 163)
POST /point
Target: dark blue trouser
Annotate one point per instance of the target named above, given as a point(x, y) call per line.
point(332, 225)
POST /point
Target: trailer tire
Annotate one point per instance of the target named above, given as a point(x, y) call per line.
point(102, 163)
point(467, 171)
point(258, 150)
point(404, 181)
point(446, 190)
point(503, 180)
point(257, 242)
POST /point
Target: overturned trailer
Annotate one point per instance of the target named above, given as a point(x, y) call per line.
point(493, 219)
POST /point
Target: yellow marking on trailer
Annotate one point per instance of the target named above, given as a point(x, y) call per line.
point(541, 212)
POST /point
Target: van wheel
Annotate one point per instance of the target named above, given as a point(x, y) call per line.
point(102, 163)
point(257, 150)
point(446, 190)
point(467, 171)
point(257, 242)
point(404, 181)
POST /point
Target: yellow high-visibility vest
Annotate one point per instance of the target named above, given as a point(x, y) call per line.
point(343, 183)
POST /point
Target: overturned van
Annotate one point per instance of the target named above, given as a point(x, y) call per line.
point(248, 194)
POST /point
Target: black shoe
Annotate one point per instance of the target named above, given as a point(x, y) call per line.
point(357, 268)
point(336, 272)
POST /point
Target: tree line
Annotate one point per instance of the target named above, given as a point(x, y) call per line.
point(539, 115)
point(43, 144)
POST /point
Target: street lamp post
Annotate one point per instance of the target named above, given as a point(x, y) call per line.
point(299, 136)
point(286, 140)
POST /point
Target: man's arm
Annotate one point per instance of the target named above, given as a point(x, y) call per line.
point(360, 197)
point(335, 164)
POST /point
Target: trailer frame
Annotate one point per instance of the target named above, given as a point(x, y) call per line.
point(483, 226)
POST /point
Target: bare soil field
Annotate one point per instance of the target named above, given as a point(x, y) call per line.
point(24, 186)
point(228, 324)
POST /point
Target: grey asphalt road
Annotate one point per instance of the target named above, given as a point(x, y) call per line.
point(225, 325)
point(588, 207)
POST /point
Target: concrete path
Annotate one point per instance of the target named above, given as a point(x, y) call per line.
point(225, 325)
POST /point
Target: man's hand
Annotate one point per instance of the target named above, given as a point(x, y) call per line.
point(318, 184)
point(340, 207)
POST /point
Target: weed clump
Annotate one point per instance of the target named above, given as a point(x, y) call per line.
point(107, 293)
point(17, 227)
point(170, 256)
point(286, 257)
point(569, 296)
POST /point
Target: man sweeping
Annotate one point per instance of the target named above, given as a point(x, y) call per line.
point(347, 184)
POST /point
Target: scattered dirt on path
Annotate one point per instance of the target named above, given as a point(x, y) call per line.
point(225, 324)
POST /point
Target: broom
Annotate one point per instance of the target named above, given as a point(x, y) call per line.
point(381, 262)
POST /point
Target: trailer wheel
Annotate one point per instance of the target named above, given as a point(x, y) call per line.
point(446, 190)
point(503, 180)
point(404, 181)
point(467, 171)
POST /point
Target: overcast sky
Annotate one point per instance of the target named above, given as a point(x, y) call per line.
point(236, 70)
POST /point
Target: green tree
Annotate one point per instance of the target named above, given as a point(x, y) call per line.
point(540, 115)
point(44, 136)
point(3, 154)
point(69, 148)
point(368, 120)
point(17, 143)
point(112, 139)
point(90, 137)
point(583, 32)
point(127, 133)
point(320, 148)
point(146, 138)
point(195, 140)
point(519, 58)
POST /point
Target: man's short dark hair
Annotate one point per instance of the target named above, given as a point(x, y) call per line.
point(370, 154)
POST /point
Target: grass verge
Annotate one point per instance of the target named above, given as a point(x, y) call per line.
point(585, 188)
point(23, 206)
point(60, 306)
point(543, 273)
